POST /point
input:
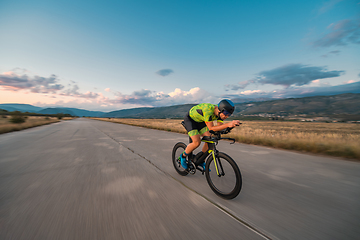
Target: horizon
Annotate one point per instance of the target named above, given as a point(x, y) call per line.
point(114, 55)
point(168, 105)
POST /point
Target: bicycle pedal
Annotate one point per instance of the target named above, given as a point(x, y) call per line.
point(191, 168)
point(200, 169)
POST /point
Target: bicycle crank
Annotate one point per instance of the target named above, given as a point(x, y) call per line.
point(191, 168)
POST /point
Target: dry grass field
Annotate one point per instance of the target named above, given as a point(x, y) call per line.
point(336, 139)
point(6, 126)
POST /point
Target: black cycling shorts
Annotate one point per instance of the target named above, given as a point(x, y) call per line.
point(194, 128)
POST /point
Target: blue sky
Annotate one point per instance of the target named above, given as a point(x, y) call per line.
point(110, 55)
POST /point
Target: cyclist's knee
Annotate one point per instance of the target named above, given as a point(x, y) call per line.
point(196, 143)
point(206, 134)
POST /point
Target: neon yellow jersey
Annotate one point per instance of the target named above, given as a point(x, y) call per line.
point(204, 112)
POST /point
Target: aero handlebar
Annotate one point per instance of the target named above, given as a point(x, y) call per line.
point(217, 135)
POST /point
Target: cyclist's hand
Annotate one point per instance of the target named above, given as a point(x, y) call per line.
point(235, 123)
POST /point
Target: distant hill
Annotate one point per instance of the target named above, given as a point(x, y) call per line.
point(340, 106)
point(248, 100)
point(33, 109)
point(177, 111)
point(72, 111)
point(343, 106)
point(19, 107)
point(56, 111)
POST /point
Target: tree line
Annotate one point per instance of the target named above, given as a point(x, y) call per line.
point(20, 117)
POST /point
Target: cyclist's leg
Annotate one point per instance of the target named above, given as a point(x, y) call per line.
point(196, 140)
point(195, 144)
point(189, 148)
point(205, 147)
point(194, 129)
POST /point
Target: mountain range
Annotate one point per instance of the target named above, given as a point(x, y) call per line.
point(33, 109)
point(19, 107)
point(336, 106)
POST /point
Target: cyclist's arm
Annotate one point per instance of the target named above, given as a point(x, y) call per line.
point(222, 126)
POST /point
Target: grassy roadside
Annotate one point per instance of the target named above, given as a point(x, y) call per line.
point(334, 139)
point(6, 126)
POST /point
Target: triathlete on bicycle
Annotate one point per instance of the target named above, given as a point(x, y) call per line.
point(199, 121)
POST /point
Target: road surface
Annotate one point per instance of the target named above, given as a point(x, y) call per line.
point(87, 179)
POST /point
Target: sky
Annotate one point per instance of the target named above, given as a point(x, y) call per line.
point(112, 55)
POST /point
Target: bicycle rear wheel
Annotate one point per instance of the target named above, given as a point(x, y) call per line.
point(178, 149)
point(229, 182)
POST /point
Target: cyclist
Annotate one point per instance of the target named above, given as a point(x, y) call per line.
point(199, 121)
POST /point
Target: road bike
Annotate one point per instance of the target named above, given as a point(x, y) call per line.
point(222, 173)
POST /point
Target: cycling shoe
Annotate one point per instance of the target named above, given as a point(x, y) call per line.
point(183, 161)
point(203, 166)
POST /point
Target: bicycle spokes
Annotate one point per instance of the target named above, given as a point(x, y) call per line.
point(221, 169)
point(226, 180)
point(177, 151)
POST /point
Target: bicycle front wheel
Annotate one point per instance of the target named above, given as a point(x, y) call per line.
point(224, 177)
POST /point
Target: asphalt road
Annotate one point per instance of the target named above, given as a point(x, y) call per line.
point(87, 179)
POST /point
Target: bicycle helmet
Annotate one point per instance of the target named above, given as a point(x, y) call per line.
point(226, 107)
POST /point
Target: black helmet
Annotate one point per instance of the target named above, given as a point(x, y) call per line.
point(226, 106)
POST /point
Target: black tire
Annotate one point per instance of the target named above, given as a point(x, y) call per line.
point(229, 185)
point(178, 149)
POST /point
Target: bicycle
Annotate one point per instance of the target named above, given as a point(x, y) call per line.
point(222, 173)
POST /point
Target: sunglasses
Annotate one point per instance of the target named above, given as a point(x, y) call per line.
point(226, 113)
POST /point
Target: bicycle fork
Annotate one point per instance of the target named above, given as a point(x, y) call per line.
point(217, 163)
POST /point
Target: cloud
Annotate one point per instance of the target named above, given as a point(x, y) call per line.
point(194, 95)
point(164, 72)
point(352, 87)
point(328, 5)
point(331, 53)
point(147, 97)
point(295, 74)
point(342, 33)
point(298, 92)
point(240, 85)
point(142, 97)
point(73, 92)
point(252, 92)
point(89, 95)
point(350, 81)
point(14, 82)
point(288, 75)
